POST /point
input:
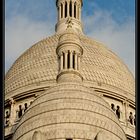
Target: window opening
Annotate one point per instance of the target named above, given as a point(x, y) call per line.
point(25, 105)
point(20, 111)
point(7, 114)
point(73, 61)
point(63, 60)
point(70, 9)
point(61, 11)
point(131, 118)
point(113, 107)
point(69, 139)
point(66, 10)
point(118, 112)
point(75, 9)
point(135, 119)
point(68, 59)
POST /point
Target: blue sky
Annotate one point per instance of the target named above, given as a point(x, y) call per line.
point(109, 21)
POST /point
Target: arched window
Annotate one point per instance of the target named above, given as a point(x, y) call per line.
point(7, 114)
point(131, 118)
point(75, 9)
point(61, 11)
point(118, 112)
point(70, 9)
point(25, 105)
point(68, 59)
point(73, 61)
point(63, 60)
point(113, 107)
point(20, 111)
point(135, 119)
point(65, 9)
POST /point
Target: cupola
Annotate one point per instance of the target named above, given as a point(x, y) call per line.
point(66, 9)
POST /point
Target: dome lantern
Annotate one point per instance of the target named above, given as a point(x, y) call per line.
point(66, 9)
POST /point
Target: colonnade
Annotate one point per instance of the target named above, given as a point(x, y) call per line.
point(69, 9)
point(69, 60)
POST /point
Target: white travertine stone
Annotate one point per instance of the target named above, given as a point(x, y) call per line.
point(66, 60)
point(98, 63)
point(76, 61)
point(59, 12)
point(61, 61)
point(66, 105)
point(63, 10)
point(71, 59)
point(71, 102)
point(68, 8)
point(13, 112)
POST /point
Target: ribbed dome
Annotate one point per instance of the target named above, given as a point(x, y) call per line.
point(39, 64)
point(69, 110)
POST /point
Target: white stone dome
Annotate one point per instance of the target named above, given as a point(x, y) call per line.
point(38, 67)
point(69, 110)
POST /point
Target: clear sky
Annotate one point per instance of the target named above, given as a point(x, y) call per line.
point(109, 21)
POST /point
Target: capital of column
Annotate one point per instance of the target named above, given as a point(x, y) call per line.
point(65, 51)
point(60, 53)
point(71, 51)
point(12, 101)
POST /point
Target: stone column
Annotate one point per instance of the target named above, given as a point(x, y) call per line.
point(123, 111)
point(126, 112)
point(63, 10)
point(66, 59)
point(13, 111)
point(59, 15)
point(77, 12)
point(61, 61)
point(72, 9)
point(68, 4)
point(79, 62)
point(75, 61)
point(71, 59)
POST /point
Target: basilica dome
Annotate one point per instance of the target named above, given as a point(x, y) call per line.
point(69, 87)
point(38, 67)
